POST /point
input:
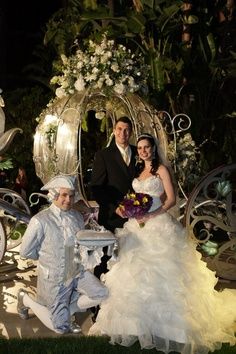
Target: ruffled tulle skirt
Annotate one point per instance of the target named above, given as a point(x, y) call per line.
point(162, 294)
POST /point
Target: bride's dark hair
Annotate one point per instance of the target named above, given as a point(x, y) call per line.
point(155, 159)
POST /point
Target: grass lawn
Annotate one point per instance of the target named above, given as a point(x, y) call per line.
point(79, 345)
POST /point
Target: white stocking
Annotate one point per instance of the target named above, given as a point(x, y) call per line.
point(85, 302)
point(40, 311)
point(75, 308)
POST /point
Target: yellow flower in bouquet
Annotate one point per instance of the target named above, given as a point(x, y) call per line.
point(136, 204)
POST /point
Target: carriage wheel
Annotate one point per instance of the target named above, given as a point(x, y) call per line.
point(3, 242)
point(14, 229)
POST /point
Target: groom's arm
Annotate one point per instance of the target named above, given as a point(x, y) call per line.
point(99, 179)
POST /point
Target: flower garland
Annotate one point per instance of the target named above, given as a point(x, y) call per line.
point(102, 66)
point(49, 129)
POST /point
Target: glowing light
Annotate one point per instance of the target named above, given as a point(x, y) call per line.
point(37, 137)
point(64, 130)
point(50, 119)
point(69, 146)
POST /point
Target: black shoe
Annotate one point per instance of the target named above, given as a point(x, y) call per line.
point(95, 313)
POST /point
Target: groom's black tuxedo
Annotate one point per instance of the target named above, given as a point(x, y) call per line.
point(111, 180)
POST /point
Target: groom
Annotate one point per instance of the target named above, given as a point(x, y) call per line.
point(112, 175)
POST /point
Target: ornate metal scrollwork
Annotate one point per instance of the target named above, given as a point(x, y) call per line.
point(14, 217)
point(210, 218)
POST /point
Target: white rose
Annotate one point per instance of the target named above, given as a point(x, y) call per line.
point(64, 59)
point(119, 88)
point(60, 92)
point(95, 70)
point(110, 43)
point(79, 84)
point(100, 115)
point(100, 83)
point(115, 67)
point(98, 51)
point(109, 82)
point(64, 84)
point(79, 65)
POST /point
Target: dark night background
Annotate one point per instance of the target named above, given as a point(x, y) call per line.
point(22, 28)
point(22, 25)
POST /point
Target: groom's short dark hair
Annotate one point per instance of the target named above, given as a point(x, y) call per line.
point(126, 120)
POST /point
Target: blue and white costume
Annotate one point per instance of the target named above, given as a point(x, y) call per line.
point(63, 286)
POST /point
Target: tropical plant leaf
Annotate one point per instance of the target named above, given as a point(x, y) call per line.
point(6, 164)
point(103, 125)
point(84, 123)
point(149, 3)
point(212, 46)
point(157, 72)
point(136, 22)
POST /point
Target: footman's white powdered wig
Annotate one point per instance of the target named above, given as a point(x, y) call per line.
point(61, 181)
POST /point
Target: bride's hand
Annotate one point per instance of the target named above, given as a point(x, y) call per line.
point(149, 215)
point(120, 212)
point(143, 219)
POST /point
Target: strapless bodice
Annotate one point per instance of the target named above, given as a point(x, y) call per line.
point(152, 186)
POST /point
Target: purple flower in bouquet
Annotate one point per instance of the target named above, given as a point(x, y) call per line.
point(136, 204)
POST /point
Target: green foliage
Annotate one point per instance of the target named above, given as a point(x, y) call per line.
point(84, 124)
point(62, 29)
point(54, 345)
point(6, 163)
point(90, 4)
point(81, 344)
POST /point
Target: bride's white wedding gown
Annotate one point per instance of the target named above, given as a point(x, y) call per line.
point(161, 293)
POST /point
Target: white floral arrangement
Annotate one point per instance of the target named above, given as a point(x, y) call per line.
point(184, 156)
point(49, 128)
point(103, 66)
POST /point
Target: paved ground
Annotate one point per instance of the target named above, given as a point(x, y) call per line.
point(15, 274)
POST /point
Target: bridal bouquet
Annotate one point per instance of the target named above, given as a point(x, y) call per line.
point(136, 204)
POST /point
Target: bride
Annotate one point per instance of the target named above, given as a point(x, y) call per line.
point(161, 292)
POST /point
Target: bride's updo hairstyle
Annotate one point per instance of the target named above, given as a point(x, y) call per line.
point(155, 159)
